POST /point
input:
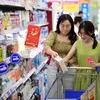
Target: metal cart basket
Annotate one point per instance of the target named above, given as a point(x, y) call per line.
point(65, 85)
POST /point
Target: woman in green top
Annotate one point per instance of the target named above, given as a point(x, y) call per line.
point(87, 47)
point(59, 42)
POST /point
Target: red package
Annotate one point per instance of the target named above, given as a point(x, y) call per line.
point(89, 59)
point(33, 36)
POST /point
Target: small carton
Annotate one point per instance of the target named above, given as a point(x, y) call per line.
point(61, 63)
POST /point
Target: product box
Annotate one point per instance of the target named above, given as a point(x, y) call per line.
point(61, 63)
point(33, 36)
point(38, 81)
point(2, 53)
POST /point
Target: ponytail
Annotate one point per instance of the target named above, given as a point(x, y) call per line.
point(89, 28)
point(95, 41)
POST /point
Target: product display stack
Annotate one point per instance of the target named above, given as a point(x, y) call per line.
point(24, 26)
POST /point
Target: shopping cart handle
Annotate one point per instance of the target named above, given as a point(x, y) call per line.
point(89, 68)
point(78, 67)
point(97, 68)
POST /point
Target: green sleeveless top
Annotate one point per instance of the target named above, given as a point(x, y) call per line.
point(84, 52)
point(83, 81)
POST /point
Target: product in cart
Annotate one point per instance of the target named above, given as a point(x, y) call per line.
point(61, 63)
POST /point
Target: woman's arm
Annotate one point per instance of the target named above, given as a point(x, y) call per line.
point(94, 64)
point(73, 61)
point(48, 44)
point(50, 52)
point(70, 54)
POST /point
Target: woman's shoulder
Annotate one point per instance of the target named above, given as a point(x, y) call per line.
point(53, 32)
point(78, 43)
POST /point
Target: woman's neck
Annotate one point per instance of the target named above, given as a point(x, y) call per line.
point(63, 35)
point(89, 42)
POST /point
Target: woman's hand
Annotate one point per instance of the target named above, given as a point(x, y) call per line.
point(57, 64)
point(54, 54)
point(93, 64)
point(65, 60)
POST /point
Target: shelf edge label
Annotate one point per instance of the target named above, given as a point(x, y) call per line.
point(15, 58)
point(3, 68)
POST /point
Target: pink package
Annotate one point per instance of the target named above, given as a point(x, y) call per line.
point(89, 59)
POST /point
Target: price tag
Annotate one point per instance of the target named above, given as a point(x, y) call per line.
point(3, 68)
point(7, 94)
point(15, 58)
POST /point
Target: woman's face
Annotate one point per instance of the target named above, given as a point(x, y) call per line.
point(85, 37)
point(65, 27)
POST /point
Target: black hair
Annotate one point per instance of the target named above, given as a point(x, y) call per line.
point(72, 35)
point(89, 30)
point(80, 12)
point(77, 19)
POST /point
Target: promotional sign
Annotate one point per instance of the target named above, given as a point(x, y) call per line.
point(71, 6)
point(54, 1)
point(15, 58)
point(59, 7)
point(68, 5)
point(84, 96)
point(90, 93)
point(3, 68)
point(84, 8)
point(84, 1)
point(33, 36)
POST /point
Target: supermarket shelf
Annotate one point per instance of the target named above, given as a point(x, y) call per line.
point(38, 24)
point(1, 37)
point(11, 3)
point(15, 30)
point(41, 66)
point(31, 53)
point(28, 75)
point(35, 71)
point(11, 90)
point(1, 3)
point(7, 60)
point(31, 92)
point(17, 84)
point(40, 8)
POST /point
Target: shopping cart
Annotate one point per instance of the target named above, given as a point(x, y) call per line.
point(65, 85)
